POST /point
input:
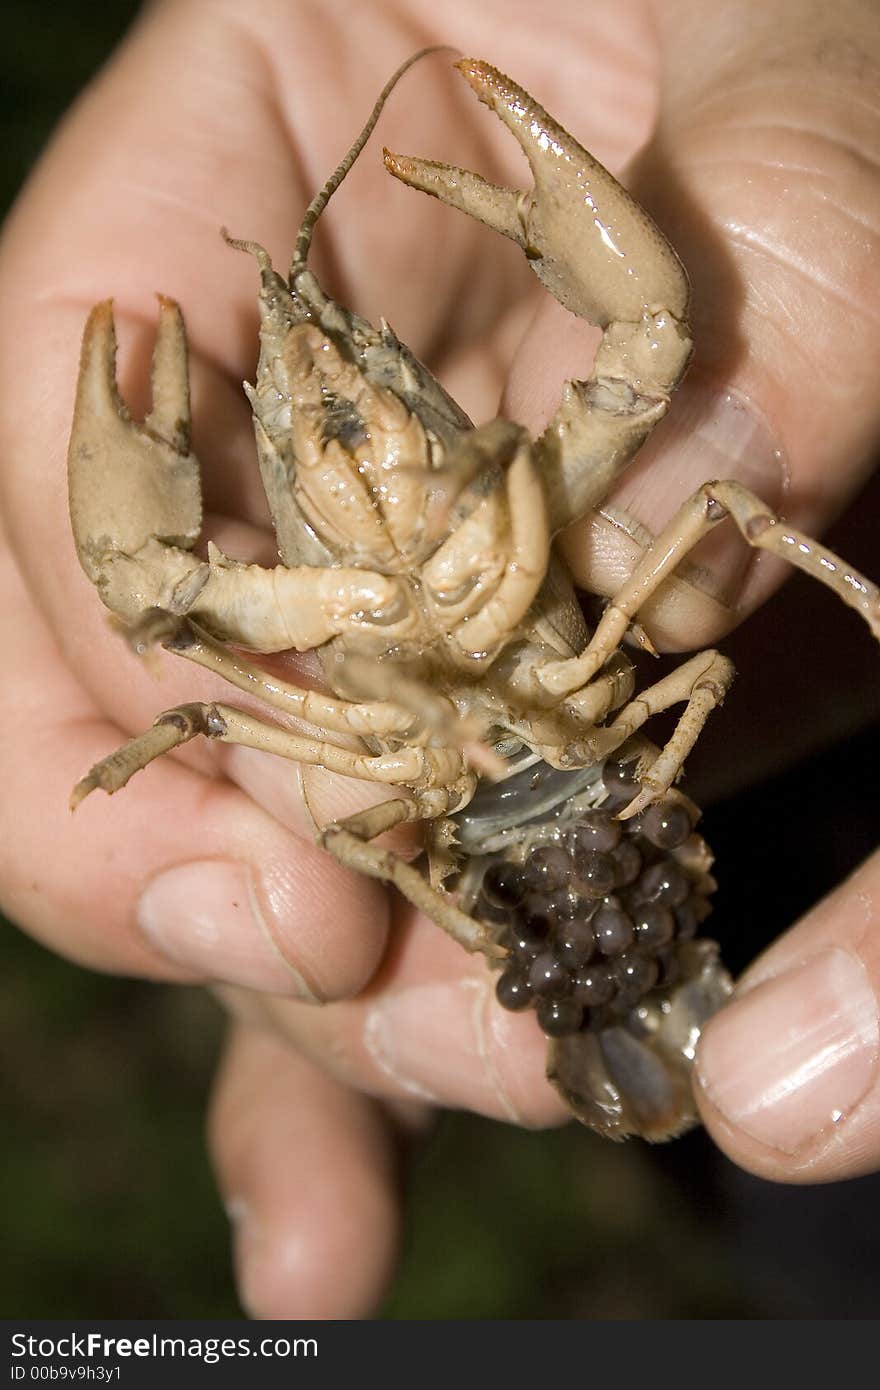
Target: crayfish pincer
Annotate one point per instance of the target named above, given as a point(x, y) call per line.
point(417, 560)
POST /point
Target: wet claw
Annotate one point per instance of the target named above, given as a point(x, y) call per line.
point(602, 257)
point(131, 483)
point(586, 238)
point(135, 497)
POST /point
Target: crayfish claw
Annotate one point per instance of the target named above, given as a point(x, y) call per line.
point(131, 485)
point(592, 245)
point(603, 258)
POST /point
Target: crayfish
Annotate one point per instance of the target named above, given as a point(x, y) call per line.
point(417, 559)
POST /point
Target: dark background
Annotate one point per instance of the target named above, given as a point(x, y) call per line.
point(107, 1204)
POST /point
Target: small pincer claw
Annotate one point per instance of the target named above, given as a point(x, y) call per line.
point(131, 484)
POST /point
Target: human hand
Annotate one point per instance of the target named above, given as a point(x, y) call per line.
point(196, 125)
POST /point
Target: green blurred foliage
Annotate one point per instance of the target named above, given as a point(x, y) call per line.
point(109, 1208)
point(107, 1202)
point(47, 55)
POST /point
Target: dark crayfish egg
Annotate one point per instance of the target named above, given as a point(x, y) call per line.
point(620, 784)
point(595, 873)
point(614, 931)
point(525, 940)
point(535, 914)
point(664, 882)
point(593, 986)
point(597, 830)
point(547, 869)
point(635, 975)
point(512, 989)
point(565, 906)
point(559, 1016)
point(627, 863)
point(547, 975)
point(503, 884)
point(575, 943)
point(654, 926)
point(666, 824)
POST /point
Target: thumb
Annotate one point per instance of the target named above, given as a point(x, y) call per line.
point(788, 1075)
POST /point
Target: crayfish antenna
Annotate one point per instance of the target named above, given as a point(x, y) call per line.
point(323, 196)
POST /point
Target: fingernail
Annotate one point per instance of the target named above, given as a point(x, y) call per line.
point(792, 1057)
point(210, 917)
point(707, 435)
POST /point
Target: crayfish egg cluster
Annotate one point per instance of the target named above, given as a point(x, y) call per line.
point(593, 915)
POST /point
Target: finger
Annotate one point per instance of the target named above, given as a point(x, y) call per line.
point(763, 173)
point(307, 1171)
point(788, 1076)
point(189, 879)
point(427, 1029)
